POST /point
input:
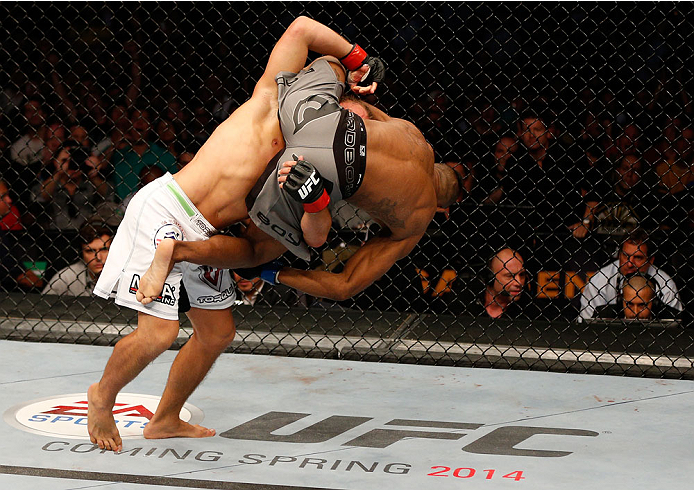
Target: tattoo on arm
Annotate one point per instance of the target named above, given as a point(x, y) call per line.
point(385, 209)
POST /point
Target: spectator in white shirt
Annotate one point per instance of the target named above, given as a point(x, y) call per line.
point(78, 279)
point(635, 255)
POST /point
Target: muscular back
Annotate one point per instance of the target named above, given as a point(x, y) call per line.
point(398, 187)
point(225, 169)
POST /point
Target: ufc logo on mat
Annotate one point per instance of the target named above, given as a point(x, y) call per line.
point(500, 441)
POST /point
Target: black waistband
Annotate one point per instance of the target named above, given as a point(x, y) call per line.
point(349, 151)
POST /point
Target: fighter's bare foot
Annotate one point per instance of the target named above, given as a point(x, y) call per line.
point(152, 282)
point(176, 428)
point(100, 422)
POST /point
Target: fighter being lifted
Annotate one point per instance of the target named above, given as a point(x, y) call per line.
point(380, 164)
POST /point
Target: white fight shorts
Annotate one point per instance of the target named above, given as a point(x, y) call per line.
point(162, 210)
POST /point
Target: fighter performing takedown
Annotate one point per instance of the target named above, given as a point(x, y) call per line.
point(380, 164)
point(205, 196)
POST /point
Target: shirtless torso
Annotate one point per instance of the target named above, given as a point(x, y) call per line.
point(225, 169)
point(398, 188)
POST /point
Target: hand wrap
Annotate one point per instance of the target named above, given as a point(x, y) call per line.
point(356, 58)
point(267, 272)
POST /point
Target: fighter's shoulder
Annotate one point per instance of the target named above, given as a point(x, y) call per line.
point(263, 102)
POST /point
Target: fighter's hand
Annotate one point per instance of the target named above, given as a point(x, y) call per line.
point(355, 77)
point(364, 72)
point(304, 183)
point(285, 169)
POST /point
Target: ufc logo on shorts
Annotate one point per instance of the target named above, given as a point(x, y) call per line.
point(306, 189)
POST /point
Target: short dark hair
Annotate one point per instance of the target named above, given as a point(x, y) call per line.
point(91, 231)
point(539, 110)
point(639, 236)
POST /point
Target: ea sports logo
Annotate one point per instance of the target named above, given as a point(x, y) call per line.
point(66, 415)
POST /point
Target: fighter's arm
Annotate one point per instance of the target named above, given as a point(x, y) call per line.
point(291, 51)
point(367, 265)
point(253, 248)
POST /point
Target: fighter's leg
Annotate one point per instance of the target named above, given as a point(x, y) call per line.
point(130, 356)
point(221, 251)
point(213, 332)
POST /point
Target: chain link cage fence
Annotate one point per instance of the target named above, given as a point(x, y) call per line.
point(570, 124)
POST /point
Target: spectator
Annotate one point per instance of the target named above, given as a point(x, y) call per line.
point(29, 147)
point(184, 158)
point(628, 142)
point(215, 94)
point(54, 135)
point(11, 271)
point(675, 173)
point(116, 138)
point(486, 121)
point(544, 186)
point(167, 136)
point(592, 132)
point(147, 174)
point(75, 188)
point(635, 255)
point(9, 214)
point(141, 152)
point(432, 114)
point(663, 150)
point(79, 134)
point(201, 126)
point(21, 176)
point(637, 301)
point(619, 207)
point(492, 168)
point(504, 289)
point(4, 141)
point(79, 278)
point(255, 292)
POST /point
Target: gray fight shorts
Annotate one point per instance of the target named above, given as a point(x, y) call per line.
point(315, 127)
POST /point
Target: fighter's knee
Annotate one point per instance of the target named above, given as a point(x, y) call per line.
point(159, 333)
point(217, 340)
point(215, 329)
point(315, 241)
point(162, 338)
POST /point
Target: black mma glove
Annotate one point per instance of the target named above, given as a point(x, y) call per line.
point(304, 184)
point(358, 57)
